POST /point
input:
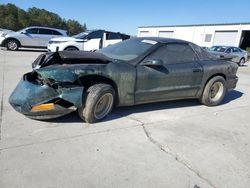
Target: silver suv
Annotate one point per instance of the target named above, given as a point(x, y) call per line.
point(30, 37)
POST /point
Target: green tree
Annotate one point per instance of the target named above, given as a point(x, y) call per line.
point(14, 18)
point(74, 27)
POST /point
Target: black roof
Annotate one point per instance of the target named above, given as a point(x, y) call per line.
point(164, 40)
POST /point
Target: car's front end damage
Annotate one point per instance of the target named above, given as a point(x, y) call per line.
point(38, 98)
point(52, 89)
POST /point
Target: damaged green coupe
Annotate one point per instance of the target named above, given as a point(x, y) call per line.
point(136, 71)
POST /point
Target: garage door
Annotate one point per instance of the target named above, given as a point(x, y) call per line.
point(167, 34)
point(144, 33)
point(225, 38)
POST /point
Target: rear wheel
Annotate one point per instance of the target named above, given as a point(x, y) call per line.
point(12, 44)
point(241, 62)
point(99, 103)
point(214, 91)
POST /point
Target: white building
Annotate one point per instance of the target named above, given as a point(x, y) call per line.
point(207, 35)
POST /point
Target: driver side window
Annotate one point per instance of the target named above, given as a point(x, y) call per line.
point(229, 50)
point(95, 35)
point(174, 53)
point(32, 31)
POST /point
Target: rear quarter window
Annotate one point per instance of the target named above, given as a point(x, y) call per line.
point(203, 54)
point(113, 36)
point(54, 32)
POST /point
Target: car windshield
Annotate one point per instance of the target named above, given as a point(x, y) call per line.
point(218, 49)
point(80, 35)
point(128, 49)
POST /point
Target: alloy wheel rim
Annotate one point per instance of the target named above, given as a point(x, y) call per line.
point(103, 106)
point(241, 61)
point(12, 45)
point(216, 91)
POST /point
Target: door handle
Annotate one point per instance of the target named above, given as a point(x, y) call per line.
point(197, 70)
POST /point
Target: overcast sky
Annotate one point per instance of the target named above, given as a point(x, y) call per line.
point(127, 15)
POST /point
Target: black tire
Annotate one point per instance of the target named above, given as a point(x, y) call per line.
point(12, 44)
point(71, 48)
point(214, 91)
point(99, 103)
point(242, 61)
point(81, 112)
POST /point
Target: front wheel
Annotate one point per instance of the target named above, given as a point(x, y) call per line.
point(214, 91)
point(242, 62)
point(99, 103)
point(12, 45)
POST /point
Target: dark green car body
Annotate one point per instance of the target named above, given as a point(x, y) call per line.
point(64, 77)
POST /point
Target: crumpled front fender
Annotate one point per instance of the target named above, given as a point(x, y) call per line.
point(28, 94)
point(73, 95)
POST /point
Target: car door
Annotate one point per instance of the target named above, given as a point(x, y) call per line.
point(237, 53)
point(29, 37)
point(94, 41)
point(112, 38)
point(179, 76)
point(44, 36)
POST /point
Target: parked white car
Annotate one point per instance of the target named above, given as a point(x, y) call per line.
point(3, 33)
point(86, 41)
point(30, 37)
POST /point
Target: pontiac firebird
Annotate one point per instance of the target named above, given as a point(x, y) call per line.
point(136, 71)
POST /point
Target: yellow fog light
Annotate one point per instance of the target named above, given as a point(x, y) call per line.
point(43, 107)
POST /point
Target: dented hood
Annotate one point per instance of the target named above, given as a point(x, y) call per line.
point(70, 57)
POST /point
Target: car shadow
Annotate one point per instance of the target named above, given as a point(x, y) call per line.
point(26, 50)
point(125, 111)
point(245, 65)
point(31, 50)
point(231, 96)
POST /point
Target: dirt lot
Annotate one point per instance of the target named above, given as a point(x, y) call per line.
point(170, 144)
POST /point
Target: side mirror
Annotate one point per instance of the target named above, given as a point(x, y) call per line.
point(24, 32)
point(153, 62)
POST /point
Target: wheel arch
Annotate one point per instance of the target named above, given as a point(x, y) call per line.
point(208, 79)
point(11, 38)
point(71, 46)
point(242, 58)
point(90, 80)
point(218, 74)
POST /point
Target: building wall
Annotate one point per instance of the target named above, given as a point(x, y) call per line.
point(197, 34)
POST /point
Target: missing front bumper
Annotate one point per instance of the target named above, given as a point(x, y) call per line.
point(28, 94)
